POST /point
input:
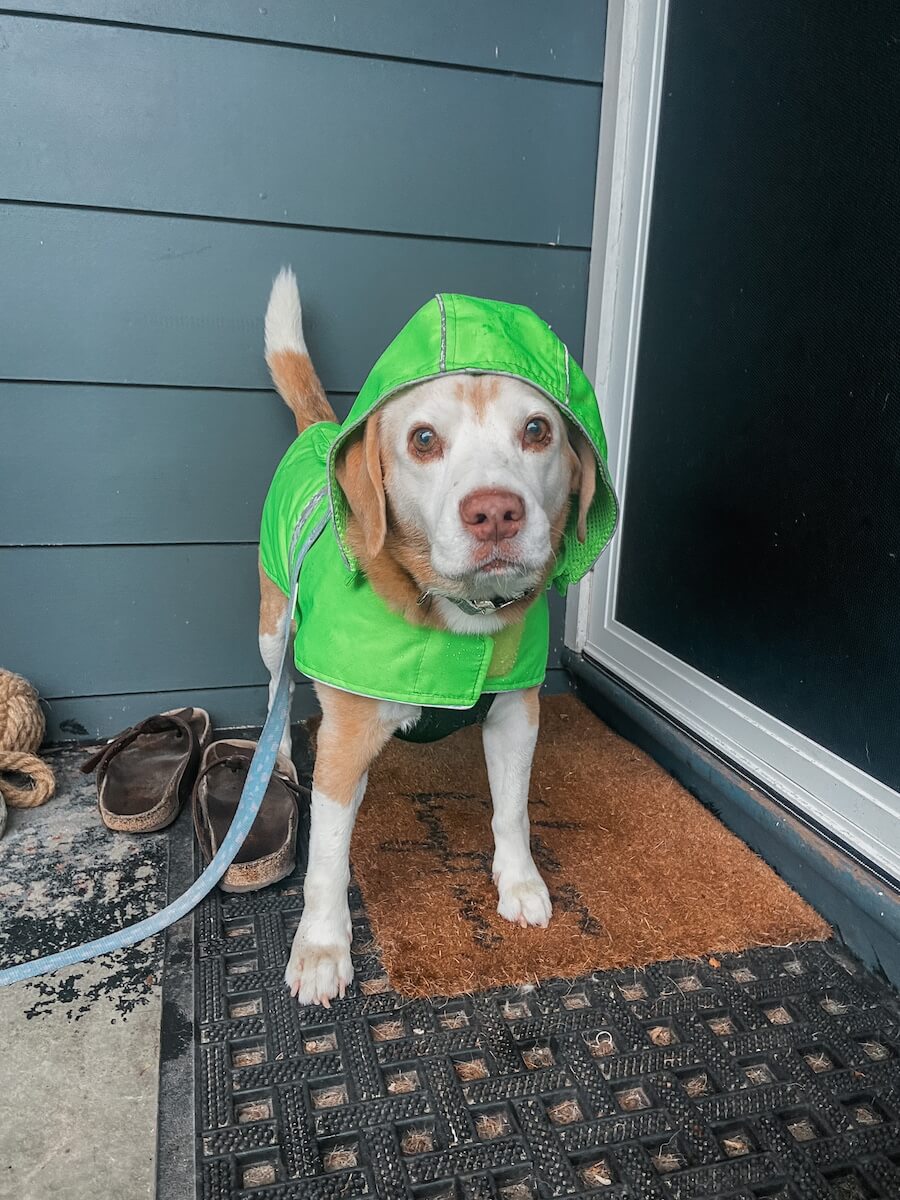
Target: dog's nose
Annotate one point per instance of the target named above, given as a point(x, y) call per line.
point(491, 515)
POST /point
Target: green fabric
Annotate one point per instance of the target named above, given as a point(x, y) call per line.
point(346, 635)
point(297, 479)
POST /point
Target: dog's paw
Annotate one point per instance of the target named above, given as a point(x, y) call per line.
point(316, 974)
point(524, 901)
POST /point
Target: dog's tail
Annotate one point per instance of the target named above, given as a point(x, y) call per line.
point(292, 371)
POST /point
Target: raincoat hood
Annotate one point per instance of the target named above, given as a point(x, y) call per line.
point(465, 335)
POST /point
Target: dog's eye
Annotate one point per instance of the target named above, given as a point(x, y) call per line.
point(537, 432)
point(424, 441)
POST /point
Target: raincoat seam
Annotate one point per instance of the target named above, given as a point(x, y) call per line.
point(425, 641)
point(443, 359)
point(453, 328)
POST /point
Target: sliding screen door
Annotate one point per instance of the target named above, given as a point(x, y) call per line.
point(754, 589)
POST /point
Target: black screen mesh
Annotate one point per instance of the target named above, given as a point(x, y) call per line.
point(761, 541)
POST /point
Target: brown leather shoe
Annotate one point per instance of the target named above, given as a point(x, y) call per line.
point(146, 772)
point(270, 848)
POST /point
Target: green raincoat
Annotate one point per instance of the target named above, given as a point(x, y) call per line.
point(346, 634)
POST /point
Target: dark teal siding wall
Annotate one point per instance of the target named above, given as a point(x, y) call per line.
point(158, 162)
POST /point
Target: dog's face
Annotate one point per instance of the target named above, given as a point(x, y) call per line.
point(477, 471)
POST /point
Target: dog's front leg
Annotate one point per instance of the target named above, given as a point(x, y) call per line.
point(510, 734)
point(353, 731)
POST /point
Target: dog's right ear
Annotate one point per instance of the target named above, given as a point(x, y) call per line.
point(583, 478)
point(360, 474)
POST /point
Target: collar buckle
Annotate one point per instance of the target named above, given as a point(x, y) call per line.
point(478, 608)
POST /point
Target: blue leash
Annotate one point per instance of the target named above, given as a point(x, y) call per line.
point(258, 776)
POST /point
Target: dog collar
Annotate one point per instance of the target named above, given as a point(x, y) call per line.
point(479, 608)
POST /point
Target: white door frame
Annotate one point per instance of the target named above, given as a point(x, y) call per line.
point(861, 811)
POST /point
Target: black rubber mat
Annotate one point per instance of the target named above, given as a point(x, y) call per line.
point(770, 1074)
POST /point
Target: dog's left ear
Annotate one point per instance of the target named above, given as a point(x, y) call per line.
point(584, 477)
point(359, 472)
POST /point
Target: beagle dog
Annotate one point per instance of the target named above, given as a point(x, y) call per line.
point(458, 491)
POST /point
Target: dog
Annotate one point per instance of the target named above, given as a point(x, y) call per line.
point(460, 488)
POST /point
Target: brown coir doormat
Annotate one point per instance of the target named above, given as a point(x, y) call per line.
point(637, 869)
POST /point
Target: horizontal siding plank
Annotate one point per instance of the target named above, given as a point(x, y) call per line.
point(106, 619)
point(187, 466)
point(126, 118)
point(126, 298)
point(92, 718)
point(510, 35)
